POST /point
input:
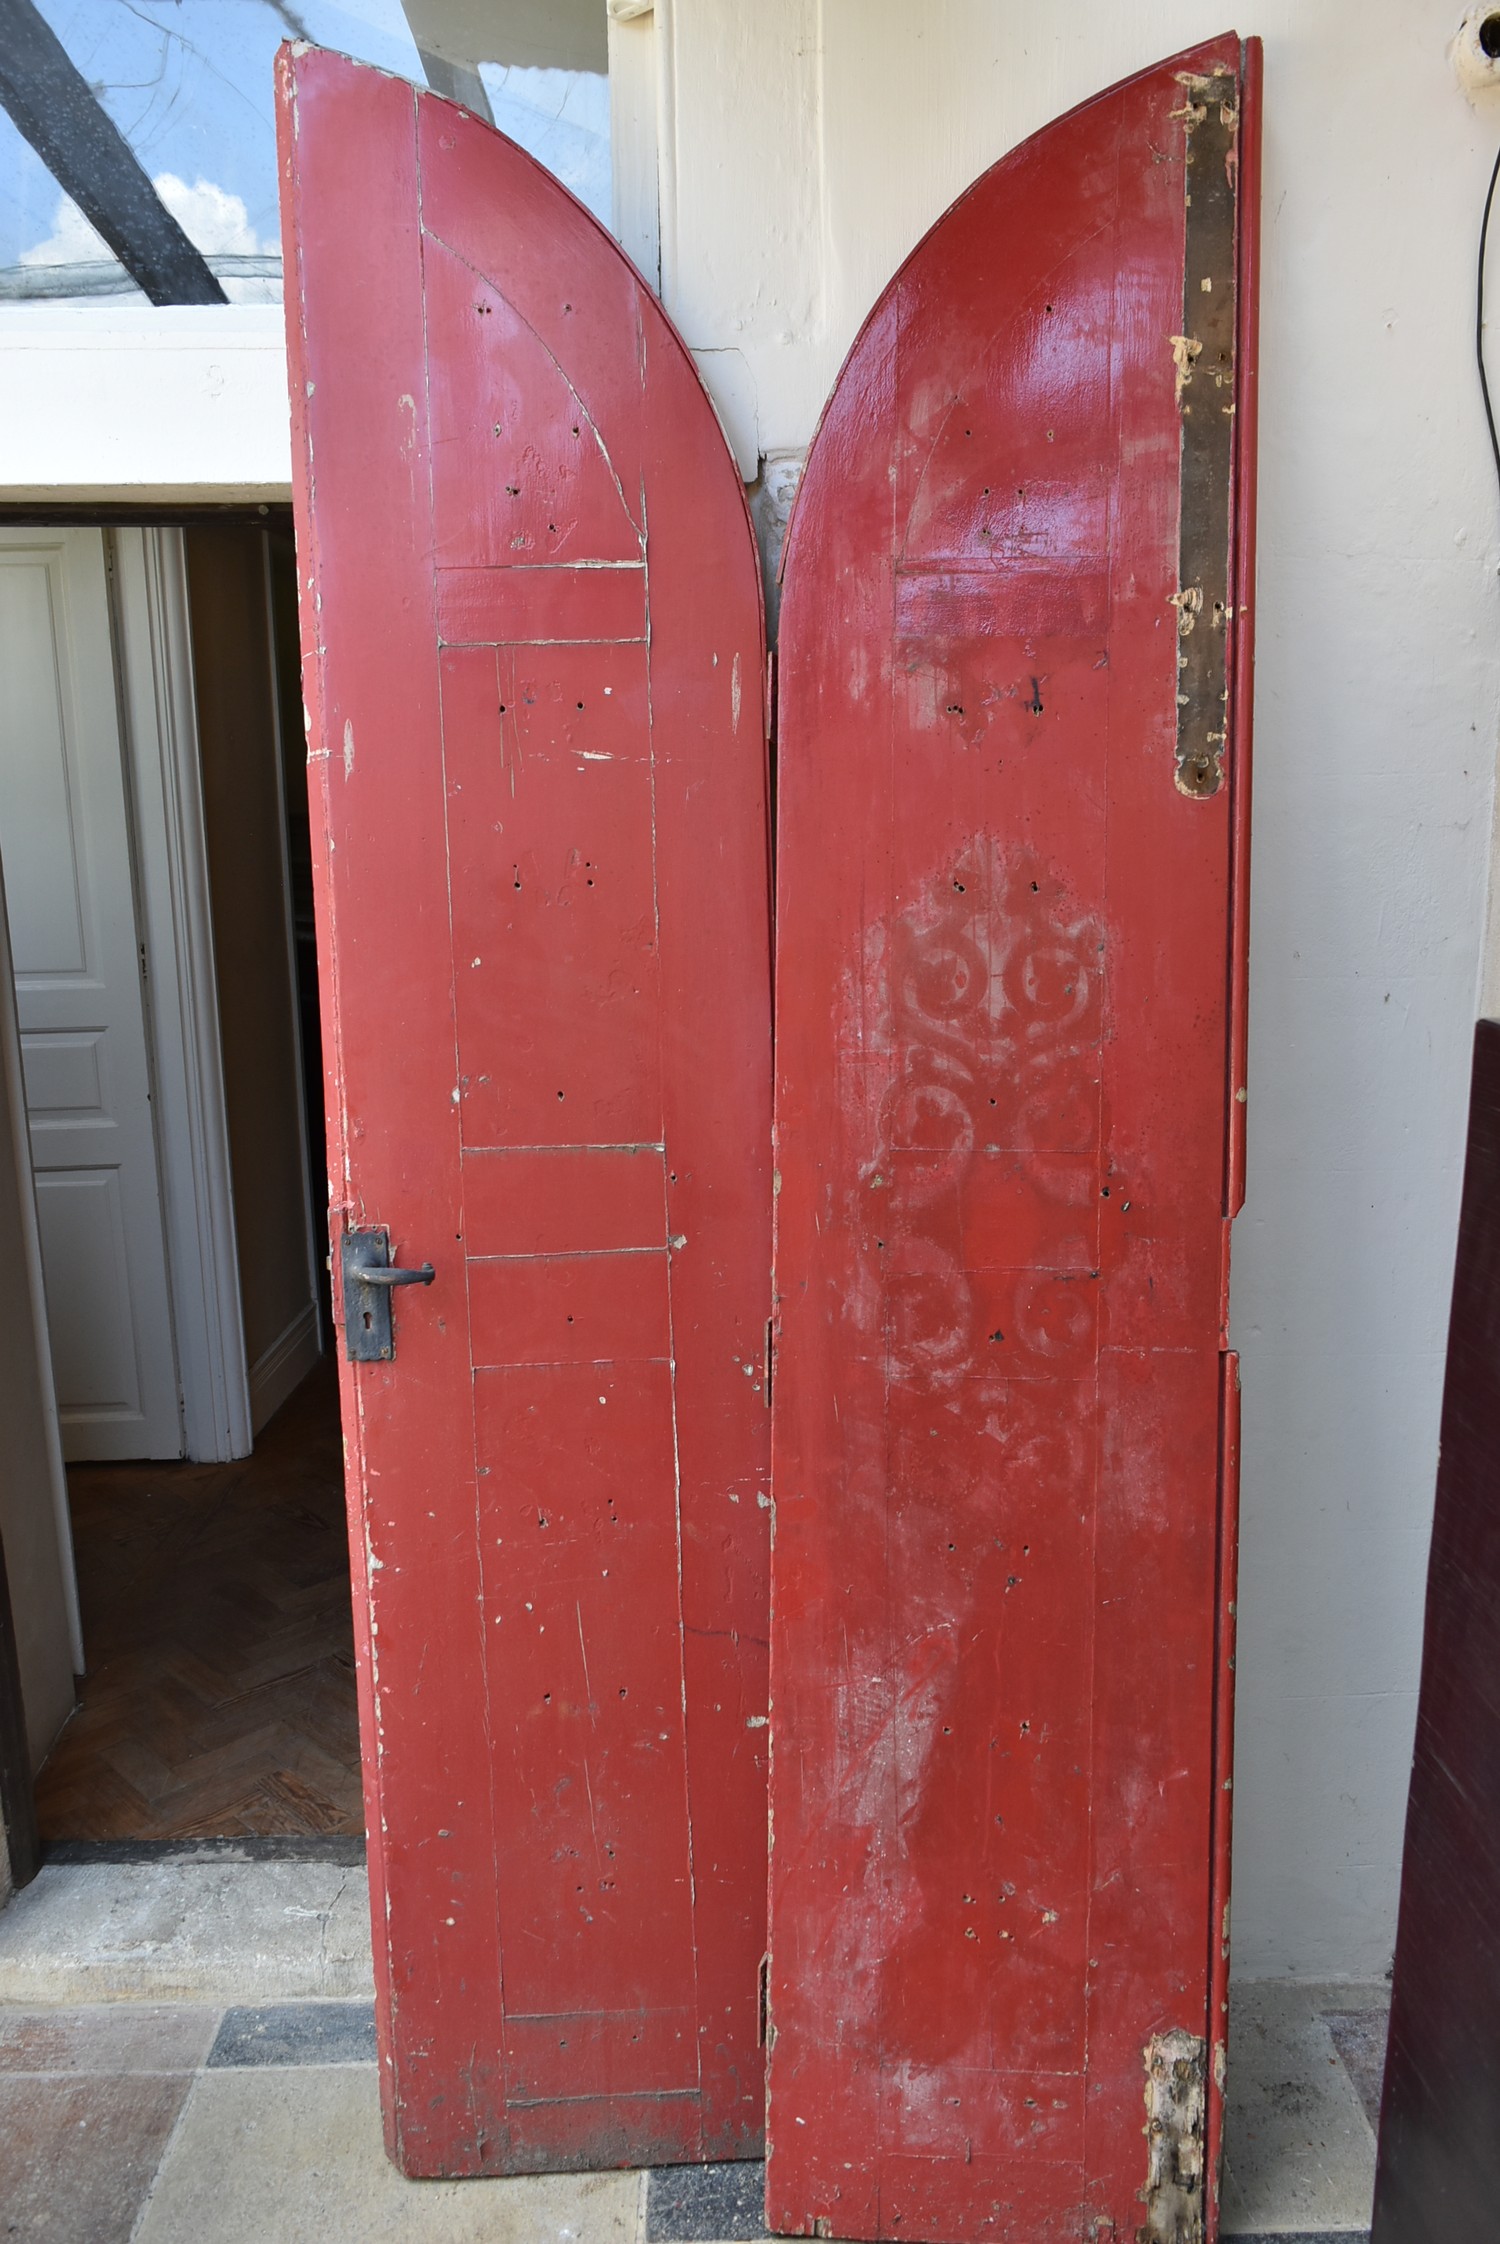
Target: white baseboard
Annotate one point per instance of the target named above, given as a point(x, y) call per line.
point(283, 1366)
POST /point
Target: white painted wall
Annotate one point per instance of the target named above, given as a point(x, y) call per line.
point(813, 142)
point(123, 404)
point(805, 145)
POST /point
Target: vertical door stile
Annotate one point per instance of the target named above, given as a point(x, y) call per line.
point(1241, 643)
point(82, 1001)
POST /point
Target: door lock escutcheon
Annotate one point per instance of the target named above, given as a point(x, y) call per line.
point(370, 1277)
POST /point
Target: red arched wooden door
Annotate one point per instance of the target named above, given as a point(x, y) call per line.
point(534, 671)
point(1013, 718)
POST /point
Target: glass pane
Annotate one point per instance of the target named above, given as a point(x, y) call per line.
point(189, 85)
point(562, 118)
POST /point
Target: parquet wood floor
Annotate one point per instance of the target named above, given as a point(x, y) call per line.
point(217, 1626)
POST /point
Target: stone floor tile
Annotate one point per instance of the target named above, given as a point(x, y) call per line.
point(78, 2152)
point(295, 2154)
point(1299, 2152)
point(246, 1846)
point(281, 2140)
point(211, 1931)
point(1360, 2037)
point(297, 2033)
point(135, 2037)
point(706, 2204)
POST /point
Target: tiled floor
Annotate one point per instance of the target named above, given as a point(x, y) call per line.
point(187, 2047)
point(192, 2123)
point(1299, 2133)
point(227, 2094)
point(181, 2124)
point(216, 1612)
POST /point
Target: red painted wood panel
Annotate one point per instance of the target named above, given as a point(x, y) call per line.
point(540, 823)
point(1008, 991)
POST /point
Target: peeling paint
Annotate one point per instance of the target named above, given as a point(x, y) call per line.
point(1185, 348)
point(1175, 2111)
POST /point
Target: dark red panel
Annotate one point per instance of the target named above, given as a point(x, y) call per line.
point(565, 1200)
point(1439, 2170)
point(560, 606)
point(567, 1307)
point(542, 869)
point(1007, 1011)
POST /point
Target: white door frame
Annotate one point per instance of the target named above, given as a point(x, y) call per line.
point(640, 96)
point(148, 571)
point(33, 1285)
point(289, 922)
point(81, 1001)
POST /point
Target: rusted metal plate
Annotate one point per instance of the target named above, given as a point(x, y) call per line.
point(540, 825)
point(1013, 720)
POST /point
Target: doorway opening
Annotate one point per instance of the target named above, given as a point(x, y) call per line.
point(218, 1698)
point(156, 849)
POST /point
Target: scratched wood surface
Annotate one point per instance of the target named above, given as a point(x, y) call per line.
point(534, 672)
point(1007, 1030)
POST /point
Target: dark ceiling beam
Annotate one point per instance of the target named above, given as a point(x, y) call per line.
point(52, 104)
point(456, 81)
point(561, 34)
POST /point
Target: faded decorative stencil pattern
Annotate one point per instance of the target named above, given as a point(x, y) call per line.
point(969, 1060)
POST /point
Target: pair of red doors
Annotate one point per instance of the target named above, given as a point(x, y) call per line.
point(991, 1658)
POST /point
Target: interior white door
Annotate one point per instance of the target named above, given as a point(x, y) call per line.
point(65, 842)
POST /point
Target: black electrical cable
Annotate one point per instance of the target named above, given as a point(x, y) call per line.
point(1484, 380)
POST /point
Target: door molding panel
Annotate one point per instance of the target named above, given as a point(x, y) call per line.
point(280, 1367)
point(47, 1700)
point(156, 682)
point(637, 45)
point(81, 1000)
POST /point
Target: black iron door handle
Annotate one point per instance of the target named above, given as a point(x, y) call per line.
point(369, 1279)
